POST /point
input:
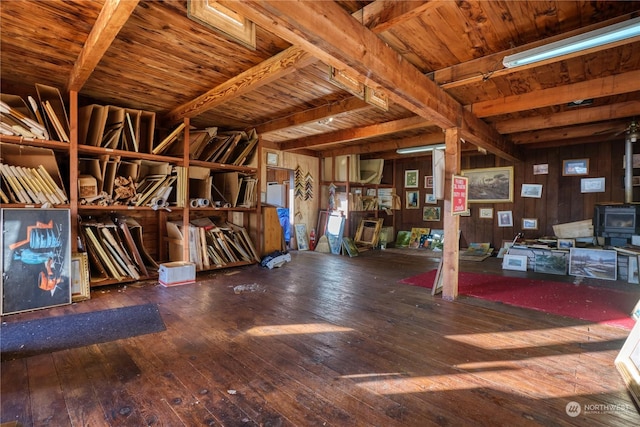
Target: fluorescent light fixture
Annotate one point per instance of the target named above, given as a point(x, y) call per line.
point(420, 149)
point(611, 34)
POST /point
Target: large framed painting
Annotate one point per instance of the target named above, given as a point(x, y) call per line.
point(595, 263)
point(36, 259)
point(490, 185)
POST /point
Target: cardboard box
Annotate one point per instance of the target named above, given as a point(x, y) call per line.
point(176, 273)
point(87, 186)
point(572, 230)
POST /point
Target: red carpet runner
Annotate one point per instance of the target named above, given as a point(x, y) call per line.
point(599, 305)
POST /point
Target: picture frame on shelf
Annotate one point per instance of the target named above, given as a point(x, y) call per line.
point(514, 262)
point(36, 259)
point(490, 185)
point(566, 243)
point(592, 185)
point(505, 219)
point(575, 167)
point(529, 223)
point(595, 263)
point(80, 287)
point(531, 190)
point(412, 199)
point(411, 178)
point(485, 213)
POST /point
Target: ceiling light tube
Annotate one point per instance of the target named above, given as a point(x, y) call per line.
point(420, 149)
point(611, 34)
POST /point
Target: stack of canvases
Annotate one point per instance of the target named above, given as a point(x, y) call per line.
point(115, 249)
point(211, 245)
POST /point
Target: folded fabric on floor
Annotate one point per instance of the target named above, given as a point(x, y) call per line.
point(590, 303)
point(32, 337)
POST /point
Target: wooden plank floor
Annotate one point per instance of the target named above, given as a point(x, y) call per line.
point(325, 340)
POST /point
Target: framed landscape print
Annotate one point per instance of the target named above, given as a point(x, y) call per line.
point(431, 213)
point(412, 200)
point(596, 263)
point(36, 259)
point(490, 185)
point(575, 167)
point(531, 190)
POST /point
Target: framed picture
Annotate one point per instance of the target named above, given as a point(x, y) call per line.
point(514, 262)
point(428, 181)
point(531, 190)
point(635, 181)
point(592, 185)
point(529, 223)
point(80, 289)
point(490, 185)
point(430, 198)
point(335, 233)
point(542, 169)
point(632, 270)
point(566, 243)
point(486, 213)
point(413, 200)
point(505, 219)
point(411, 178)
point(575, 167)
point(551, 262)
point(595, 263)
point(272, 158)
point(431, 213)
point(301, 237)
point(628, 362)
point(36, 259)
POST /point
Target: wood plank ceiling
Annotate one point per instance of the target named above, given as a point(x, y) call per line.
point(439, 62)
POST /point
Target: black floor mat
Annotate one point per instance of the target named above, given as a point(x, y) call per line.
point(28, 338)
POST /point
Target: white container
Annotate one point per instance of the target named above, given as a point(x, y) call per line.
point(176, 273)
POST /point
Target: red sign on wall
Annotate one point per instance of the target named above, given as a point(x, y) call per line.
point(459, 195)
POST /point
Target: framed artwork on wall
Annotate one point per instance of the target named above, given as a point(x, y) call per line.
point(575, 167)
point(36, 259)
point(490, 185)
point(428, 181)
point(505, 219)
point(412, 200)
point(486, 213)
point(411, 178)
point(592, 185)
point(531, 190)
point(529, 223)
point(431, 213)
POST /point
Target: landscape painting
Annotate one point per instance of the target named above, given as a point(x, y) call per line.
point(490, 185)
point(596, 263)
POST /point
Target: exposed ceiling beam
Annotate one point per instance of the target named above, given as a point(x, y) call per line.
point(311, 25)
point(383, 15)
point(282, 64)
point(572, 117)
point(603, 130)
point(347, 105)
point(112, 17)
point(595, 88)
point(385, 146)
point(489, 66)
point(353, 134)
point(267, 71)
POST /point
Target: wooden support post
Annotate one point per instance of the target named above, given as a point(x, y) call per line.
point(450, 255)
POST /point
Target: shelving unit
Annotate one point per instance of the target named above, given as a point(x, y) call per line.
point(353, 217)
point(153, 221)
